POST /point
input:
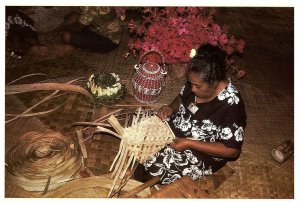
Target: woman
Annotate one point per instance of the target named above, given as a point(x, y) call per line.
point(96, 29)
point(208, 118)
point(21, 36)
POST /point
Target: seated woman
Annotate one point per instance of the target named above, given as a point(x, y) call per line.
point(208, 118)
point(21, 36)
point(93, 28)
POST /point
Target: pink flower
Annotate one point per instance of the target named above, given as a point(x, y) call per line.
point(164, 45)
point(212, 40)
point(202, 38)
point(138, 44)
point(172, 21)
point(146, 46)
point(174, 31)
point(192, 10)
point(183, 31)
point(216, 28)
point(154, 47)
point(223, 39)
point(140, 30)
point(169, 10)
point(181, 10)
point(240, 46)
point(229, 50)
point(185, 56)
point(151, 31)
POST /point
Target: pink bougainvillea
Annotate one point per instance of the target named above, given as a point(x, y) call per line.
point(174, 31)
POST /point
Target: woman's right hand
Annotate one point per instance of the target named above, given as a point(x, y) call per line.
point(165, 112)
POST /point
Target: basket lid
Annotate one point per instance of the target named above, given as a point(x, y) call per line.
point(151, 69)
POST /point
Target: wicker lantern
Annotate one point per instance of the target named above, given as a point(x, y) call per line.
point(148, 81)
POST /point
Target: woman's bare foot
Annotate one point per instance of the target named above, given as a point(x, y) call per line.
point(63, 49)
point(38, 50)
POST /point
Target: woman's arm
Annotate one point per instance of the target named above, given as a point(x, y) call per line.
point(166, 111)
point(216, 149)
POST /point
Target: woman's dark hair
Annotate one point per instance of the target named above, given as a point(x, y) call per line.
point(210, 63)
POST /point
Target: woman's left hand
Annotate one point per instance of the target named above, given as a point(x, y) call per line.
point(180, 144)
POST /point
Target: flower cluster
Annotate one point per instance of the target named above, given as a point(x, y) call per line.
point(193, 53)
point(106, 88)
point(174, 31)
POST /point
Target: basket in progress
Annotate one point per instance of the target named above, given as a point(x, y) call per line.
point(146, 136)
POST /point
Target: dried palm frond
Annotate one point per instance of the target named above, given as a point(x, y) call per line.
point(42, 159)
point(16, 89)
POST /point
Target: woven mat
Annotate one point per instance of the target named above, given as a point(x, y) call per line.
point(267, 93)
point(213, 182)
point(270, 119)
point(101, 150)
point(256, 177)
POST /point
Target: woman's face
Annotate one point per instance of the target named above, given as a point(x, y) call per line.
point(200, 88)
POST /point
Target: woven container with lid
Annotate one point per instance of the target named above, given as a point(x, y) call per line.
point(148, 81)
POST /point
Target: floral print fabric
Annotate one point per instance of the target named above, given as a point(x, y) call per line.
point(221, 120)
point(103, 21)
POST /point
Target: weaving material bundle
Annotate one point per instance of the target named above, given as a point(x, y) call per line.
point(43, 160)
point(146, 136)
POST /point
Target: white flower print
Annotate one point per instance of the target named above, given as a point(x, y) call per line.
point(177, 121)
point(208, 171)
point(190, 157)
point(171, 179)
point(233, 99)
point(222, 95)
point(150, 161)
point(7, 25)
point(229, 93)
point(181, 109)
point(185, 124)
point(226, 133)
point(10, 20)
point(239, 134)
point(18, 20)
point(194, 172)
point(170, 156)
point(197, 133)
point(231, 88)
point(181, 91)
point(217, 159)
point(208, 126)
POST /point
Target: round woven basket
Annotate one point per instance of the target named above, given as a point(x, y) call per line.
point(92, 187)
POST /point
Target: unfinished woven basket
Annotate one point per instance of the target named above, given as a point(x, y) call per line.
point(146, 136)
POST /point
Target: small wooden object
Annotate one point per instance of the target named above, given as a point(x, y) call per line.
point(136, 190)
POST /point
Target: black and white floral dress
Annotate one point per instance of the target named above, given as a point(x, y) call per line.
point(221, 120)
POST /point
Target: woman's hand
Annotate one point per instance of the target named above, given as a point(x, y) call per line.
point(165, 112)
point(180, 144)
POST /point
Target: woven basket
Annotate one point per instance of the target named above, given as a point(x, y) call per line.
point(138, 142)
point(148, 81)
point(92, 187)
